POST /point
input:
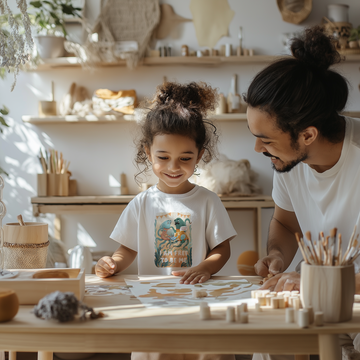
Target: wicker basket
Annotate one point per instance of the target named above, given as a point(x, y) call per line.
point(25, 256)
point(25, 247)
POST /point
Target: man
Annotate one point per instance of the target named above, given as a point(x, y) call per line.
point(294, 110)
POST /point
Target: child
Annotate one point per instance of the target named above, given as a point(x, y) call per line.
point(174, 227)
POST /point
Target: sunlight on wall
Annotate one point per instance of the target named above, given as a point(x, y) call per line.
point(84, 238)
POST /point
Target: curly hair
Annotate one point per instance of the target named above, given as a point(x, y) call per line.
point(302, 91)
point(179, 109)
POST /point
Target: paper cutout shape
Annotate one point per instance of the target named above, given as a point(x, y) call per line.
point(211, 20)
point(168, 21)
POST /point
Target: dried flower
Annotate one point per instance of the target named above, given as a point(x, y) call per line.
point(15, 48)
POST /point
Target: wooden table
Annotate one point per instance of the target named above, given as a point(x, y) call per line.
point(116, 204)
point(129, 326)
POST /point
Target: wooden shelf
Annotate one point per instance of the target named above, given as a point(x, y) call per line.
point(108, 119)
point(67, 62)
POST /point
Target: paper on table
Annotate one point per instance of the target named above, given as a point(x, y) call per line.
point(211, 20)
point(168, 292)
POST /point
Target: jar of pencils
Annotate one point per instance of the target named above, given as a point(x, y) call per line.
point(329, 289)
point(327, 275)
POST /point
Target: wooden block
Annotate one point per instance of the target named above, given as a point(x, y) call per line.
point(274, 303)
point(197, 294)
point(72, 187)
point(319, 318)
point(289, 315)
point(244, 318)
point(262, 301)
point(281, 302)
point(257, 307)
point(230, 314)
point(30, 290)
point(303, 318)
point(311, 314)
point(205, 313)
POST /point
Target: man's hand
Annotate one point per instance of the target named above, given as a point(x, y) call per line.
point(271, 264)
point(105, 267)
point(283, 282)
point(193, 275)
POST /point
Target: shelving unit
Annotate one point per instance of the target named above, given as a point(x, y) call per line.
point(67, 62)
point(108, 119)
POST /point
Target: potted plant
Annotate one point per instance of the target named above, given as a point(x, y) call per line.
point(354, 39)
point(50, 25)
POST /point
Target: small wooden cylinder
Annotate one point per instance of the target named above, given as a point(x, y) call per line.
point(329, 289)
point(42, 184)
point(230, 314)
point(244, 318)
point(9, 304)
point(289, 315)
point(303, 318)
point(205, 313)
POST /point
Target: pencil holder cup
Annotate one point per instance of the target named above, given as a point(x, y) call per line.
point(329, 289)
point(25, 247)
point(42, 184)
point(57, 184)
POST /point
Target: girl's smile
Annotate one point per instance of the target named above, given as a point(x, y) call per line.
point(173, 158)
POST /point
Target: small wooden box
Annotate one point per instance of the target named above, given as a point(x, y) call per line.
point(30, 290)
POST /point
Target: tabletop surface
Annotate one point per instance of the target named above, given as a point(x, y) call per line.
point(125, 314)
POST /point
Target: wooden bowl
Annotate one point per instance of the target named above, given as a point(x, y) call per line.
point(51, 274)
point(9, 304)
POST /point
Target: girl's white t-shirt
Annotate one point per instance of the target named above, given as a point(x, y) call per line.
point(172, 231)
point(323, 201)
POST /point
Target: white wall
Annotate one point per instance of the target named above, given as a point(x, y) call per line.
point(97, 151)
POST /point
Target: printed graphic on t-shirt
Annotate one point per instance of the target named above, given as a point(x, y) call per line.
point(173, 245)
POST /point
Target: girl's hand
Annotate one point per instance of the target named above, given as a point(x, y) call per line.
point(105, 267)
point(193, 275)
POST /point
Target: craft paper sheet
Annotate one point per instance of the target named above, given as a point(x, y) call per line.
point(169, 292)
point(211, 20)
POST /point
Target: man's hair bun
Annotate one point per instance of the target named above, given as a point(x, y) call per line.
point(315, 48)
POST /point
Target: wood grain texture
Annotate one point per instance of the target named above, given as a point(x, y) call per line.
point(329, 289)
point(32, 233)
point(30, 290)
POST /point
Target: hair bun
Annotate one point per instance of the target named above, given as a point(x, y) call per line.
point(194, 97)
point(315, 48)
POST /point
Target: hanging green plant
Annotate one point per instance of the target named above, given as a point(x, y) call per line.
point(49, 15)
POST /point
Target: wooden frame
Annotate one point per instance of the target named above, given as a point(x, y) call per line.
point(116, 204)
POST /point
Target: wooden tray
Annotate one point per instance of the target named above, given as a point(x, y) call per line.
point(30, 290)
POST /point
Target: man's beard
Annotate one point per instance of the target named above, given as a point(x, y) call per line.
point(288, 165)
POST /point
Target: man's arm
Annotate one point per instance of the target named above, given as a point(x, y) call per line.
point(282, 244)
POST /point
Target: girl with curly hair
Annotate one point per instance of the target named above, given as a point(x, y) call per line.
point(175, 227)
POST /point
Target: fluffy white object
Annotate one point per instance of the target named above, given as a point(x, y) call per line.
point(225, 176)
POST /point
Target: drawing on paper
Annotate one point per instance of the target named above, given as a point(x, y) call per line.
point(170, 293)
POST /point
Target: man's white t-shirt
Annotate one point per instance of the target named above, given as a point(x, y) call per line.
point(323, 201)
point(172, 231)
